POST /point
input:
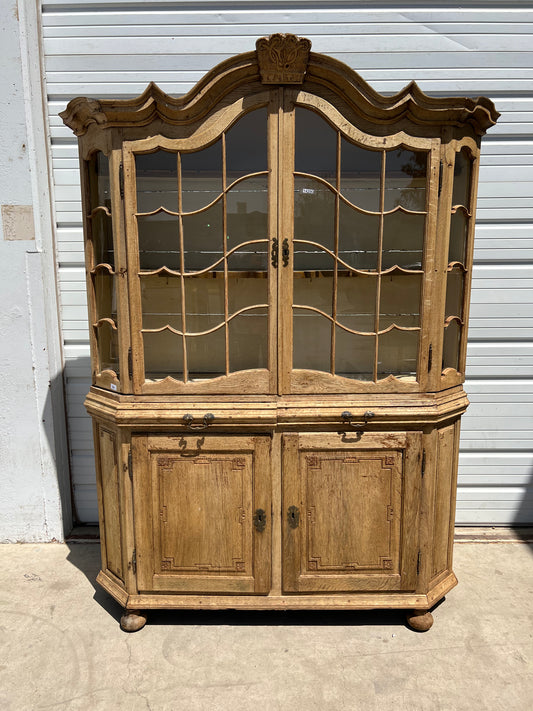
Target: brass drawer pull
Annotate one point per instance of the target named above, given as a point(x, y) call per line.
point(188, 419)
point(347, 417)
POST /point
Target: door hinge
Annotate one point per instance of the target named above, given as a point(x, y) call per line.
point(130, 468)
point(130, 364)
point(441, 170)
point(430, 356)
point(134, 561)
point(418, 563)
point(121, 179)
point(423, 468)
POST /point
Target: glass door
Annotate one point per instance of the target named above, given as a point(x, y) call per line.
point(200, 233)
point(357, 210)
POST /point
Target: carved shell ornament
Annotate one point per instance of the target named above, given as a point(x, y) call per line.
point(283, 58)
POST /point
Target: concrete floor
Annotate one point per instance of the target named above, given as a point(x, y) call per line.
point(62, 648)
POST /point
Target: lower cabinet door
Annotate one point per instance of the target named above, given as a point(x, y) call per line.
point(350, 511)
point(202, 513)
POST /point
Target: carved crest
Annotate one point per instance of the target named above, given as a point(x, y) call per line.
point(283, 58)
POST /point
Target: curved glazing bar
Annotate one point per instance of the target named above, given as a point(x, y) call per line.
point(206, 244)
point(359, 228)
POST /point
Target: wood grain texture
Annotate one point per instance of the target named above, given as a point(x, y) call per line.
point(200, 494)
point(282, 500)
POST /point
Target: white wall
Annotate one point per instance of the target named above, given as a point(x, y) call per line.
point(34, 488)
point(114, 48)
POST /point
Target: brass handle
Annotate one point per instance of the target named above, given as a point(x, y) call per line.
point(188, 419)
point(347, 417)
point(285, 252)
point(274, 252)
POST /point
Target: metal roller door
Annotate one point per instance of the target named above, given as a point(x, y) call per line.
point(115, 48)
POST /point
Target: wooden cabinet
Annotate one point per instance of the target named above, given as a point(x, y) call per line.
point(278, 271)
point(201, 514)
point(353, 523)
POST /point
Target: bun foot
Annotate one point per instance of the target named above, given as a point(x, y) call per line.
point(132, 620)
point(419, 620)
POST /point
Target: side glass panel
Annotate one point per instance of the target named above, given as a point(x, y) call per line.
point(359, 226)
point(102, 263)
point(204, 255)
point(458, 260)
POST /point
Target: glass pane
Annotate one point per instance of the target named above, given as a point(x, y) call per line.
point(316, 146)
point(358, 238)
point(161, 301)
point(204, 303)
point(99, 184)
point(400, 300)
point(248, 341)
point(253, 258)
point(206, 355)
point(246, 290)
point(203, 239)
point(454, 293)
point(458, 237)
point(405, 179)
point(403, 240)
point(246, 146)
point(104, 292)
point(247, 211)
point(163, 355)
point(311, 341)
point(354, 355)
point(452, 340)
point(356, 301)
point(157, 181)
point(397, 353)
point(102, 239)
point(107, 344)
point(315, 290)
point(461, 178)
point(360, 175)
point(159, 241)
point(314, 220)
point(201, 177)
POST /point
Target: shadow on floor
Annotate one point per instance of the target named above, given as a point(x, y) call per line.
point(86, 557)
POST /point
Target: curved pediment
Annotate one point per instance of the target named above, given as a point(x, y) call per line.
point(282, 60)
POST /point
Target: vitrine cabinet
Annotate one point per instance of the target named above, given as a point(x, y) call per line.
point(278, 276)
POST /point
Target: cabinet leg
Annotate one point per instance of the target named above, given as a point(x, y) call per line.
point(419, 620)
point(132, 620)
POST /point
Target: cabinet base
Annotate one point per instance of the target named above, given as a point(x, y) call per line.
point(417, 605)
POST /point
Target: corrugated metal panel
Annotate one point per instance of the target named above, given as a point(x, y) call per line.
point(99, 48)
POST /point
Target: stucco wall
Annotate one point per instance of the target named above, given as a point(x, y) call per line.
point(34, 492)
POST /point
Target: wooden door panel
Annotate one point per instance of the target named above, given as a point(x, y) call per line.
point(355, 501)
point(195, 500)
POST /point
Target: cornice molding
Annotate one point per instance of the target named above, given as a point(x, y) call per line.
point(282, 59)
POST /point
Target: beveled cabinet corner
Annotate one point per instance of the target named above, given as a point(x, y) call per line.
point(278, 273)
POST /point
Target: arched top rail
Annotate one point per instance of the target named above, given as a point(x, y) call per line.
point(284, 60)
